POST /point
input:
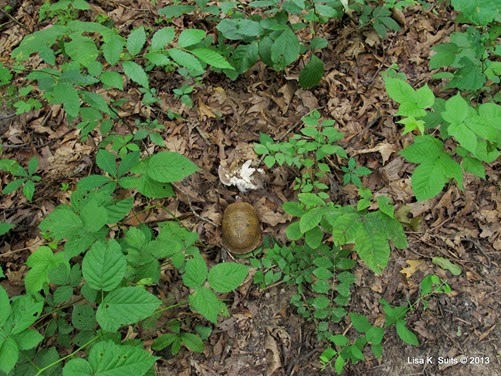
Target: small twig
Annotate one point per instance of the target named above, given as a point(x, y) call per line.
point(15, 21)
point(191, 206)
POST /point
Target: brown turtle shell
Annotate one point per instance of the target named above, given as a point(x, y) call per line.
point(241, 229)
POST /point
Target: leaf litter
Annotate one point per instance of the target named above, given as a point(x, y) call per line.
point(263, 335)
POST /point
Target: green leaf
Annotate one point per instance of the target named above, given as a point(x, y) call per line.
point(29, 190)
point(83, 317)
point(285, 49)
point(427, 180)
point(173, 11)
point(314, 237)
point(40, 262)
point(456, 110)
point(113, 48)
point(167, 167)
point(136, 40)
point(445, 55)
point(195, 272)
point(424, 149)
point(5, 304)
point(107, 161)
point(211, 57)
point(162, 37)
point(186, 60)
point(405, 334)
point(310, 219)
point(227, 277)
point(192, 342)
point(104, 266)
point(111, 359)
point(66, 94)
point(312, 73)
point(124, 306)
point(244, 57)
point(206, 302)
point(136, 73)
point(26, 309)
point(112, 79)
point(360, 322)
point(28, 339)
point(82, 49)
point(189, 37)
point(94, 216)
point(447, 265)
point(9, 354)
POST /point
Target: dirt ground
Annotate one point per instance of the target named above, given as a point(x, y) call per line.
point(264, 335)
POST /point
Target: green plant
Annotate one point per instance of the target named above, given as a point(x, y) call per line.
point(320, 270)
point(25, 178)
point(94, 285)
point(343, 350)
point(475, 130)
point(310, 152)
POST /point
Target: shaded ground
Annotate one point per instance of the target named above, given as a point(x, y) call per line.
point(264, 336)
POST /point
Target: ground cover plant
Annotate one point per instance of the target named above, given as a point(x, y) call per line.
point(126, 271)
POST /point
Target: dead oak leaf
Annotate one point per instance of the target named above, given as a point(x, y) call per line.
point(412, 268)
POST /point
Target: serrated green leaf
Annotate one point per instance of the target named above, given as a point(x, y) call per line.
point(136, 73)
point(26, 310)
point(124, 306)
point(112, 79)
point(427, 180)
point(189, 37)
point(94, 216)
point(136, 41)
point(167, 167)
point(195, 272)
point(206, 302)
point(424, 149)
point(5, 304)
point(162, 37)
point(113, 48)
point(405, 334)
point(28, 339)
point(104, 266)
point(9, 354)
point(360, 322)
point(192, 342)
point(186, 60)
point(211, 57)
point(40, 262)
point(227, 277)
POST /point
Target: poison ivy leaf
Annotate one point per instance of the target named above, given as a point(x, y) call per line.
point(104, 266)
point(227, 276)
point(124, 306)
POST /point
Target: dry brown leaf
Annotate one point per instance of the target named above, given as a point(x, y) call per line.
point(412, 268)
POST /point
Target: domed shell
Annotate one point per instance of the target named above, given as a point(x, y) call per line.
point(241, 229)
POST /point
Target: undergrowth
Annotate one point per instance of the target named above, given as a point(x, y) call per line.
point(94, 280)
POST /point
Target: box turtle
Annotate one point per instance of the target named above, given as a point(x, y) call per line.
point(241, 228)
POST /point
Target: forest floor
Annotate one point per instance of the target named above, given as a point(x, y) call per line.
point(264, 335)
